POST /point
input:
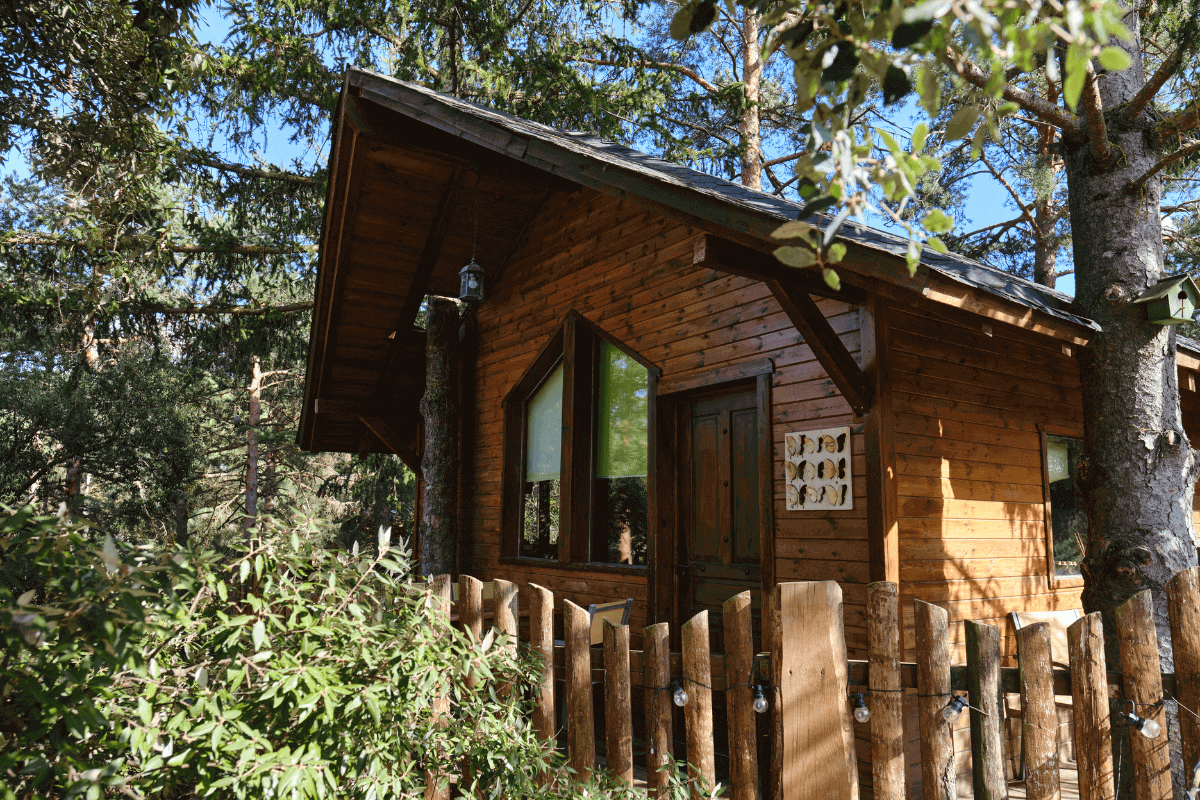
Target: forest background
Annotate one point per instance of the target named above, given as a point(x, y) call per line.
point(164, 180)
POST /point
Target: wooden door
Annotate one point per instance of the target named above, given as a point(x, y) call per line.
point(720, 504)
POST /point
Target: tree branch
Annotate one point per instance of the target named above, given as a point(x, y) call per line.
point(682, 70)
point(1166, 161)
point(1179, 122)
point(1161, 75)
point(28, 238)
point(237, 311)
point(1064, 120)
point(1093, 113)
point(250, 172)
point(1013, 192)
point(774, 161)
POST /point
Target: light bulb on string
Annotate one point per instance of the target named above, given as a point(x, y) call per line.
point(760, 699)
point(1146, 727)
point(954, 708)
point(861, 712)
point(680, 696)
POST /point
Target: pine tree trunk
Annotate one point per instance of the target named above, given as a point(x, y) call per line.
point(1139, 471)
point(751, 79)
point(439, 464)
point(252, 447)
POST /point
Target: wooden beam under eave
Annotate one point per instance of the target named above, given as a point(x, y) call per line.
point(392, 441)
point(722, 255)
point(883, 531)
point(819, 335)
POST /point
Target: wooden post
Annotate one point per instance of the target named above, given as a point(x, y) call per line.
point(983, 685)
point(656, 680)
point(541, 639)
point(470, 613)
point(506, 613)
point(1089, 696)
point(436, 787)
point(697, 714)
point(618, 707)
point(1142, 680)
point(581, 728)
point(1183, 603)
point(1039, 720)
point(439, 462)
point(886, 698)
point(818, 759)
point(773, 642)
point(938, 778)
point(739, 698)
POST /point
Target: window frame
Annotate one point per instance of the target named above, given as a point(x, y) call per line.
point(576, 342)
point(1054, 580)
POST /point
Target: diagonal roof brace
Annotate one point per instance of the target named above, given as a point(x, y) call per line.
point(819, 335)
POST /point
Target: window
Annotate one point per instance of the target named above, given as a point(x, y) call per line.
point(577, 435)
point(1067, 524)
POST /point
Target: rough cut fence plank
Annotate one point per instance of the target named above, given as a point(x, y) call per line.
point(507, 611)
point(1039, 720)
point(933, 689)
point(886, 699)
point(983, 685)
point(436, 786)
point(818, 756)
point(470, 612)
point(1089, 695)
point(581, 728)
point(657, 680)
point(1183, 603)
point(1143, 685)
point(541, 639)
point(739, 697)
point(697, 714)
point(618, 722)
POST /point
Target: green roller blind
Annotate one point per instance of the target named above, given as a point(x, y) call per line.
point(1058, 458)
point(621, 437)
point(543, 430)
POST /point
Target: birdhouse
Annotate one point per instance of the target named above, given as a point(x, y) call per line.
point(1171, 301)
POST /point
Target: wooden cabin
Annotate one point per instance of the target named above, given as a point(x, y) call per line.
point(654, 407)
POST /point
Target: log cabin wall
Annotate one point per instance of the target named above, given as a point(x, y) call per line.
point(629, 271)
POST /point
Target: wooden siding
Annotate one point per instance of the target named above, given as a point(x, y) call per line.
point(630, 272)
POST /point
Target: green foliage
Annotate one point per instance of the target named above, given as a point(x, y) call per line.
point(286, 670)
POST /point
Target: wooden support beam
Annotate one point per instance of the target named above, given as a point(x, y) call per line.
point(883, 530)
point(826, 346)
point(713, 252)
point(392, 441)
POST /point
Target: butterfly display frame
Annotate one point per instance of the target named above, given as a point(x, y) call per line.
point(817, 470)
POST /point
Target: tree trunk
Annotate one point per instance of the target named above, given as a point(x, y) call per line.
point(751, 78)
point(252, 447)
point(1139, 471)
point(439, 464)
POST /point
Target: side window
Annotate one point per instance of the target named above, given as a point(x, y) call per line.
point(1068, 520)
point(619, 486)
point(577, 433)
point(542, 482)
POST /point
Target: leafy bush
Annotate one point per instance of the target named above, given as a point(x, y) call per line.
point(285, 671)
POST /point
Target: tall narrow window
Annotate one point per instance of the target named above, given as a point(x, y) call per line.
point(543, 463)
point(619, 487)
point(1068, 520)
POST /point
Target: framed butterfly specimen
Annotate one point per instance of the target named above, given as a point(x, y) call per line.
point(817, 470)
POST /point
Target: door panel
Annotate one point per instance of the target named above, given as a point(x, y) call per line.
point(719, 499)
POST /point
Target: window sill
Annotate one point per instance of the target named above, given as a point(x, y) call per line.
point(590, 566)
point(1066, 582)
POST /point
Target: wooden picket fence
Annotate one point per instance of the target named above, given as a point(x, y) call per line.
point(811, 686)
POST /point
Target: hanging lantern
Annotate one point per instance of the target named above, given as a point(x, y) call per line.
point(471, 282)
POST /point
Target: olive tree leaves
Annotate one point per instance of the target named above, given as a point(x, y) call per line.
point(846, 54)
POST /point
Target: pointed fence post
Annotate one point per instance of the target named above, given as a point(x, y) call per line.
point(437, 787)
point(1039, 720)
point(697, 712)
point(618, 719)
point(660, 745)
point(1142, 677)
point(739, 697)
point(816, 756)
point(1183, 603)
point(1089, 696)
point(507, 612)
point(886, 698)
point(983, 685)
point(581, 727)
point(938, 778)
point(541, 639)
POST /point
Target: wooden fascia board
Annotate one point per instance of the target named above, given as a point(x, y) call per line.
point(951, 293)
point(1187, 361)
point(819, 335)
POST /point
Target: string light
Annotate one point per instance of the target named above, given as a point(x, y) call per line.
point(680, 695)
point(954, 708)
point(861, 712)
point(1143, 725)
point(760, 699)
